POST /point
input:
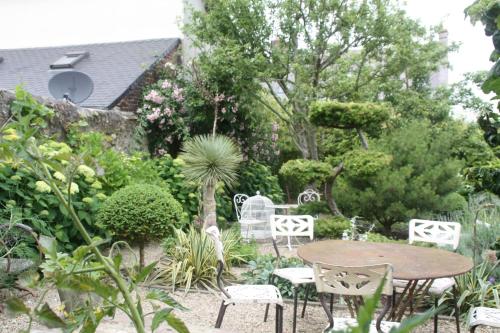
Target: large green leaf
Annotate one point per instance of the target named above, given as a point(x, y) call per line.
point(159, 317)
point(16, 306)
point(176, 323)
point(164, 297)
point(49, 318)
point(144, 273)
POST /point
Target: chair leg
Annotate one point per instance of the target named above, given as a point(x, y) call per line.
point(222, 311)
point(279, 318)
point(308, 286)
point(473, 329)
point(457, 310)
point(331, 303)
point(294, 327)
point(270, 281)
point(328, 313)
point(266, 313)
point(435, 315)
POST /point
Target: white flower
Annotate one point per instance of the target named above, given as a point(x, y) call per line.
point(42, 187)
point(59, 176)
point(86, 171)
point(73, 188)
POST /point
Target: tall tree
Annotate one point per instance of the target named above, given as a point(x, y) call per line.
point(298, 51)
point(209, 160)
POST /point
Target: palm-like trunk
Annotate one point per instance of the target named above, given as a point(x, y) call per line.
point(209, 205)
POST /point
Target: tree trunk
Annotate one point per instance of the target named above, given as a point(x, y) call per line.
point(141, 255)
point(209, 206)
point(329, 187)
point(306, 141)
point(362, 138)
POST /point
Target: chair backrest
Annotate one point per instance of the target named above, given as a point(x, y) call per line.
point(213, 232)
point(352, 280)
point(292, 225)
point(238, 201)
point(437, 232)
point(307, 196)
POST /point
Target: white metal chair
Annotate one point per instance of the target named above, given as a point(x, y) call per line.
point(238, 201)
point(437, 232)
point(243, 294)
point(292, 225)
point(442, 234)
point(307, 196)
point(484, 316)
point(354, 282)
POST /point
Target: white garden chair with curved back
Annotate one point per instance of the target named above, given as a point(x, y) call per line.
point(238, 201)
point(354, 282)
point(442, 234)
point(243, 294)
point(292, 225)
point(483, 316)
point(307, 196)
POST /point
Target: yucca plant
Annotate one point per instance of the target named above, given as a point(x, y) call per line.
point(477, 288)
point(191, 259)
point(209, 160)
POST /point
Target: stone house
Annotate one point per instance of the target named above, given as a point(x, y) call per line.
point(118, 70)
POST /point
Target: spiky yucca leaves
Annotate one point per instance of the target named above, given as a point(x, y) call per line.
point(191, 260)
point(210, 159)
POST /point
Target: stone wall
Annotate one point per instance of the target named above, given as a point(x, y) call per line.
point(132, 97)
point(119, 125)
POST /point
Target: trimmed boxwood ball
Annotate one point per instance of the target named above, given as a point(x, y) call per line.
point(140, 213)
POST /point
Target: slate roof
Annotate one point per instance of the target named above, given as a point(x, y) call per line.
point(113, 67)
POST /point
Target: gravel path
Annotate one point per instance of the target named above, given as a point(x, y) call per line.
point(202, 312)
point(203, 308)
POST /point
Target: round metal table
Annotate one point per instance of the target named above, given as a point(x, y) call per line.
point(419, 265)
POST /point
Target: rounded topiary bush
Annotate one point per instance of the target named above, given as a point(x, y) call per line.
point(331, 226)
point(139, 213)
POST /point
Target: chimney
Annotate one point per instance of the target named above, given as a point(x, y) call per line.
point(189, 51)
point(440, 77)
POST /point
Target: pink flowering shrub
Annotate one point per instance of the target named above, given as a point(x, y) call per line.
point(175, 107)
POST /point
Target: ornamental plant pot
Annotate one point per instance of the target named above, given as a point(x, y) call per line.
point(73, 300)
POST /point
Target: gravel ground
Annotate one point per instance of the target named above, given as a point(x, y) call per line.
point(203, 308)
point(202, 312)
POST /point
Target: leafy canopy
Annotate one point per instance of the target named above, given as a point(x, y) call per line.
point(210, 159)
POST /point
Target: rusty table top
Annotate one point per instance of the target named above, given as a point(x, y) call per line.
point(409, 262)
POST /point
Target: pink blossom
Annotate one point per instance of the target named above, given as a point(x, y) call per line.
point(153, 116)
point(182, 110)
point(139, 111)
point(154, 97)
point(219, 98)
point(177, 94)
point(169, 139)
point(235, 108)
point(161, 151)
point(170, 122)
point(166, 84)
point(168, 112)
point(274, 137)
point(223, 110)
point(275, 127)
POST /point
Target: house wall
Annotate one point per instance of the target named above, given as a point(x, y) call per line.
point(131, 99)
point(118, 125)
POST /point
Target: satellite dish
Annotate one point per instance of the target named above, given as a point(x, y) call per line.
point(71, 85)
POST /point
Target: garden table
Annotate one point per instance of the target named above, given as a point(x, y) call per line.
point(420, 266)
